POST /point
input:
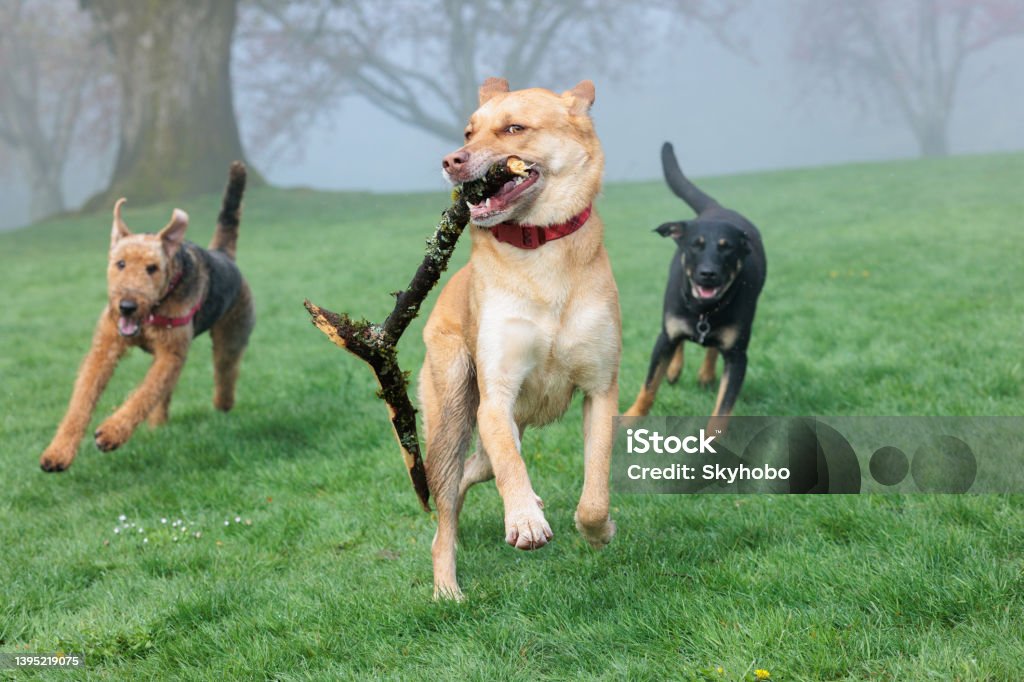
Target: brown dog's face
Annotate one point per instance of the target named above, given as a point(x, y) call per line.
point(552, 133)
point(139, 269)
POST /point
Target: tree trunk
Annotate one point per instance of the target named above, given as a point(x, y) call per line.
point(933, 143)
point(47, 193)
point(178, 132)
point(932, 136)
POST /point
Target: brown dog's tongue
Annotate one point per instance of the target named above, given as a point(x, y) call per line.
point(126, 326)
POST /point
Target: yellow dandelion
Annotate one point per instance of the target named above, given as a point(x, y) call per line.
point(833, 274)
point(865, 273)
point(762, 674)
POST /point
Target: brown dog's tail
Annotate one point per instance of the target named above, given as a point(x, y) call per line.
point(225, 237)
point(681, 185)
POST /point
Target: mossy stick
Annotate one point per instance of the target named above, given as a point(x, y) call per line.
point(376, 344)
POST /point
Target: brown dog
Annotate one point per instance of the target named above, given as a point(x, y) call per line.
point(532, 318)
point(162, 291)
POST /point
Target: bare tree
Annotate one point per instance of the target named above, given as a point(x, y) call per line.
point(421, 61)
point(178, 129)
point(54, 90)
point(905, 54)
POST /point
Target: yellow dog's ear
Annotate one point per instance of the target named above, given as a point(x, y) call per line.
point(491, 87)
point(580, 98)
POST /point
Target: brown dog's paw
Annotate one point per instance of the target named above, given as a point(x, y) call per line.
point(111, 435)
point(57, 458)
point(597, 535)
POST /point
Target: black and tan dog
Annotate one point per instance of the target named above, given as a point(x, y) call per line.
point(715, 278)
point(163, 292)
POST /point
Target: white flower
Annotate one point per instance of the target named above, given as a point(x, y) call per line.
point(163, 520)
point(227, 523)
point(145, 540)
point(238, 519)
point(122, 518)
point(117, 530)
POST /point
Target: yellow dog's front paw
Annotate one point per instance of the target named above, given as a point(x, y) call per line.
point(597, 534)
point(526, 528)
point(112, 434)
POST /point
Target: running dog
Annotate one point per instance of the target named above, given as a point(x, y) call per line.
point(162, 292)
point(532, 318)
point(714, 281)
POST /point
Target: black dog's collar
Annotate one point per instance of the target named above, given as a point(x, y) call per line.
point(703, 326)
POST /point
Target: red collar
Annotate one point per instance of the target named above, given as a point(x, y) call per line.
point(533, 236)
point(168, 322)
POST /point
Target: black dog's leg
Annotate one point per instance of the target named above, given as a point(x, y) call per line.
point(676, 366)
point(661, 356)
point(735, 369)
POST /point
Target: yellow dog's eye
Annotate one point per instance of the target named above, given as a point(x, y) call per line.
point(515, 128)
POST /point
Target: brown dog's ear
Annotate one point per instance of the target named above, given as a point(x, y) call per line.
point(173, 235)
point(581, 98)
point(676, 230)
point(491, 87)
point(119, 229)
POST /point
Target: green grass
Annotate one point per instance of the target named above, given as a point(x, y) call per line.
point(893, 289)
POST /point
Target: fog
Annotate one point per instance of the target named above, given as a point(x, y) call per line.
point(726, 111)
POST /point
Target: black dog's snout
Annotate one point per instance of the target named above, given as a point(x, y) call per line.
point(706, 275)
point(127, 306)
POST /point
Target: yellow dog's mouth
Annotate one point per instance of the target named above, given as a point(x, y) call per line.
point(525, 176)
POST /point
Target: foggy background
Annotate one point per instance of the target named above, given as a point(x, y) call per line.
point(736, 86)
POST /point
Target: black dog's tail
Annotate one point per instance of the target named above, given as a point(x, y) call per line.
point(681, 185)
point(225, 237)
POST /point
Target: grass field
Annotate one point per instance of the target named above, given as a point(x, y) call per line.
point(893, 289)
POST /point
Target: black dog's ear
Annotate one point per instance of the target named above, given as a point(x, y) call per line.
point(675, 229)
point(743, 249)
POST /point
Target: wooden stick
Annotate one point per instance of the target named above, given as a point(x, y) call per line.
point(376, 344)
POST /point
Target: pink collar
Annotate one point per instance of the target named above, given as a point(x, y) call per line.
point(533, 236)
